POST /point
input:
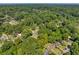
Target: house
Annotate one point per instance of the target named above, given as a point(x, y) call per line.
point(13, 22)
point(58, 48)
point(4, 37)
point(35, 32)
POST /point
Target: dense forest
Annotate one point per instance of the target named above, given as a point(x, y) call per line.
point(43, 30)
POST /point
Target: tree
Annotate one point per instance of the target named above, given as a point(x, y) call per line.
point(75, 48)
point(55, 36)
point(7, 45)
point(26, 32)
